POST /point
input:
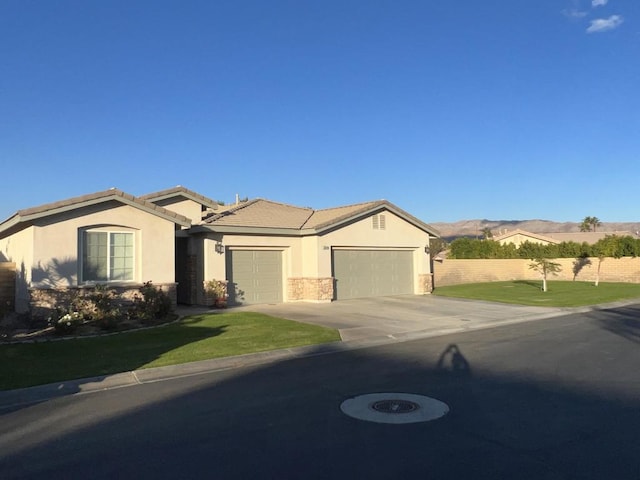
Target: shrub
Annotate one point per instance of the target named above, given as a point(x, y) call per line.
point(106, 314)
point(154, 304)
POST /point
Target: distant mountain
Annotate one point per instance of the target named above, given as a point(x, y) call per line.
point(473, 228)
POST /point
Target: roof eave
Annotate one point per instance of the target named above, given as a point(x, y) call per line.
point(289, 232)
point(187, 195)
point(150, 208)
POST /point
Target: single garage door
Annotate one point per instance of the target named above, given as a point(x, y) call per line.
point(255, 276)
point(372, 273)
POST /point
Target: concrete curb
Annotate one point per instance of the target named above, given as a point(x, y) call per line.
point(30, 395)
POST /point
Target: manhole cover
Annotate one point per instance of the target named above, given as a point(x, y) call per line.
point(394, 408)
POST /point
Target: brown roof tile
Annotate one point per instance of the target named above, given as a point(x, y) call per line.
point(262, 213)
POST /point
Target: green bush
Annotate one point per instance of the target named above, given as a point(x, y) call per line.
point(610, 246)
point(153, 304)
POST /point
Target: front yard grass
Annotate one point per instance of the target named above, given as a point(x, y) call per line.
point(529, 292)
point(199, 337)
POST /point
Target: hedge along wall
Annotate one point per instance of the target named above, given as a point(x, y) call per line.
point(453, 272)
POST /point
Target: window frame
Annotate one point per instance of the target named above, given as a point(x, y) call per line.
point(108, 231)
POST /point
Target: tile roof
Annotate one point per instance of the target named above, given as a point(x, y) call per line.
point(332, 215)
point(261, 213)
point(180, 191)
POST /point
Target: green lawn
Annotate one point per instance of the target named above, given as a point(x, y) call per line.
point(198, 337)
point(529, 292)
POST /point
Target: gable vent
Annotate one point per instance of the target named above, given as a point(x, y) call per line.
point(379, 222)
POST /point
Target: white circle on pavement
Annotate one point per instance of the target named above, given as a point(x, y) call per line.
point(394, 408)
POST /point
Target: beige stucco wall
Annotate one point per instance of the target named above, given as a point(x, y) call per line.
point(453, 272)
point(184, 206)
point(18, 248)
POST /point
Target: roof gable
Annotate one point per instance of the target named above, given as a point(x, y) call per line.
point(30, 214)
point(180, 191)
point(524, 233)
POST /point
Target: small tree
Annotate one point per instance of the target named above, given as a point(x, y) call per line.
point(487, 233)
point(436, 245)
point(544, 266)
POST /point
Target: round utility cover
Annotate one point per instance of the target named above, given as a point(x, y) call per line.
point(394, 408)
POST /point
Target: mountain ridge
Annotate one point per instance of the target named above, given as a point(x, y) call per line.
point(473, 228)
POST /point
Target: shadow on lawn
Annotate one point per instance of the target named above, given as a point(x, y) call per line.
point(111, 354)
point(528, 283)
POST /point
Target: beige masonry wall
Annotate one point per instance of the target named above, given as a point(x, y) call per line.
point(453, 272)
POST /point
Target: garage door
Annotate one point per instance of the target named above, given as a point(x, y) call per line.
point(255, 276)
point(372, 273)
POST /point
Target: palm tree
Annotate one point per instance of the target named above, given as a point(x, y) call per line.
point(590, 224)
point(585, 226)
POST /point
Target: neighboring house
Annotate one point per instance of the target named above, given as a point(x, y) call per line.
point(268, 252)
point(518, 237)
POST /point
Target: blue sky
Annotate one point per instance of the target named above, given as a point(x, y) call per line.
point(512, 109)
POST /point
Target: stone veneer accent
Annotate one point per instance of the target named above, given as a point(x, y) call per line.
point(425, 283)
point(310, 289)
point(42, 301)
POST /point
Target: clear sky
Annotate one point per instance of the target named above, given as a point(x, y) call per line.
point(503, 109)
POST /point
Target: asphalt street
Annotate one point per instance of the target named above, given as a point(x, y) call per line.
point(557, 398)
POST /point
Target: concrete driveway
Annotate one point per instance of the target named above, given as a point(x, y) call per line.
point(404, 315)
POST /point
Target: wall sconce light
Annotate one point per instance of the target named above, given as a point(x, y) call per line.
point(219, 248)
point(427, 250)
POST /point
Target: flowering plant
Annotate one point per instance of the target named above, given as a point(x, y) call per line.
point(216, 288)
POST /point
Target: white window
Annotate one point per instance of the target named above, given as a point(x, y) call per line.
point(107, 256)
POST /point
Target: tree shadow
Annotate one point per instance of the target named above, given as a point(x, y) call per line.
point(578, 264)
point(529, 283)
point(624, 322)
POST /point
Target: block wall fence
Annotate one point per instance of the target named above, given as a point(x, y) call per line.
point(454, 272)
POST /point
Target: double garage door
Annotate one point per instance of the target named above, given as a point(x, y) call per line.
point(372, 273)
point(254, 276)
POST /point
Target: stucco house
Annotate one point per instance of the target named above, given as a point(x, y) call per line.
point(518, 237)
point(267, 251)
